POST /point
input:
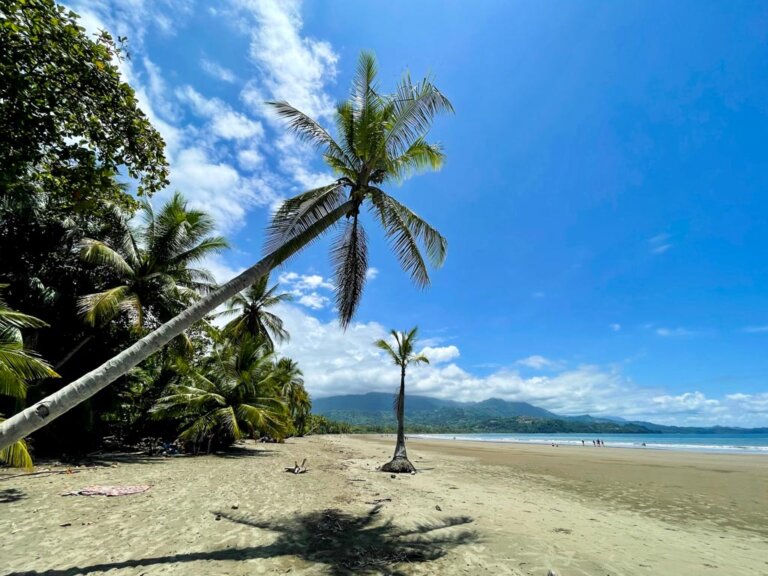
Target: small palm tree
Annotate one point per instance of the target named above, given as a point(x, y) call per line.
point(403, 355)
point(18, 367)
point(230, 398)
point(153, 265)
point(253, 318)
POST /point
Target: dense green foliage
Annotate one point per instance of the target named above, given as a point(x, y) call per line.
point(105, 282)
point(18, 365)
point(66, 116)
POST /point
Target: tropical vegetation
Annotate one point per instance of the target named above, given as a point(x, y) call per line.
point(110, 288)
point(18, 366)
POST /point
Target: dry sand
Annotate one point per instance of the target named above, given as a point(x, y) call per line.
point(472, 509)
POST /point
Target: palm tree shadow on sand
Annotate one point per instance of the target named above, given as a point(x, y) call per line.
point(361, 544)
point(345, 543)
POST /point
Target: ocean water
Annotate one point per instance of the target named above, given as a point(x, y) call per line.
point(723, 443)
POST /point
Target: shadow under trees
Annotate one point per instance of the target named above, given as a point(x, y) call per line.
point(345, 543)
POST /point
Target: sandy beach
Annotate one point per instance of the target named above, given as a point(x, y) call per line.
point(472, 509)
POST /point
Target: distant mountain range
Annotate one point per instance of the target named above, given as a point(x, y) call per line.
point(374, 412)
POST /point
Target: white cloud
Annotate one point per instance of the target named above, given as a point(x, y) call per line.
point(537, 362)
point(217, 70)
point(224, 122)
point(615, 327)
point(440, 354)
point(314, 301)
point(538, 295)
point(291, 67)
point(304, 287)
point(250, 159)
point(686, 403)
point(371, 273)
point(217, 187)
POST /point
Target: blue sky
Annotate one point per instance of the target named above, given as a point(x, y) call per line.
point(603, 198)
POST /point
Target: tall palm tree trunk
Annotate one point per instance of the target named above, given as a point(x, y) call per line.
point(400, 462)
point(46, 410)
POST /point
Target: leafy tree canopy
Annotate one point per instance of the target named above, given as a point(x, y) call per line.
point(65, 113)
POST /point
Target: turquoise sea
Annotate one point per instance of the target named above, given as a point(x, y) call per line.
point(724, 443)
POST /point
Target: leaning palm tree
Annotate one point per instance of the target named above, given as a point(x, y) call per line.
point(253, 318)
point(381, 138)
point(232, 397)
point(403, 355)
point(18, 366)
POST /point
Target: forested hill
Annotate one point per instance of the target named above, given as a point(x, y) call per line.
point(374, 412)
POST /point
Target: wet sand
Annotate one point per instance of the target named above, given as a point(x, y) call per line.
point(472, 509)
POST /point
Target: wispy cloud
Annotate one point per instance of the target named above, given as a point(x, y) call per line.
point(224, 121)
point(660, 243)
point(755, 329)
point(615, 327)
point(371, 273)
point(672, 332)
point(537, 362)
point(217, 70)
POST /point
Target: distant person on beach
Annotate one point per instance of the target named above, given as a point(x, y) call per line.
point(593, 443)
point(582, 443)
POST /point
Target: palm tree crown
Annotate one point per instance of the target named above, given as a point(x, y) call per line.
point(402, 353)
point(152, 265)
point(381, 138)
point(252, 315)
point(233, 396)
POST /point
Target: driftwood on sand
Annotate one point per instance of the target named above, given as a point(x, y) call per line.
point(296, 469)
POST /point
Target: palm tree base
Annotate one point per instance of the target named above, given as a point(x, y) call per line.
point(399, 466)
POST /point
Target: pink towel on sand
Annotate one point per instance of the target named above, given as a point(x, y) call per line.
point(108, 490)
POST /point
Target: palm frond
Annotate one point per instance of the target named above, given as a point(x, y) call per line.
point(19, 365)
point(298, 214)
point(103, 306)
point(406, 230)
point(415, 106)
point(100, 254)
point(16, 455)
point(349, 257)
point(202, 249)
point(387, 347)
point(418, 157)
point(18, 320)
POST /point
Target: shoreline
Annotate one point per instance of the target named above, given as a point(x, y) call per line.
point(548, 439)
